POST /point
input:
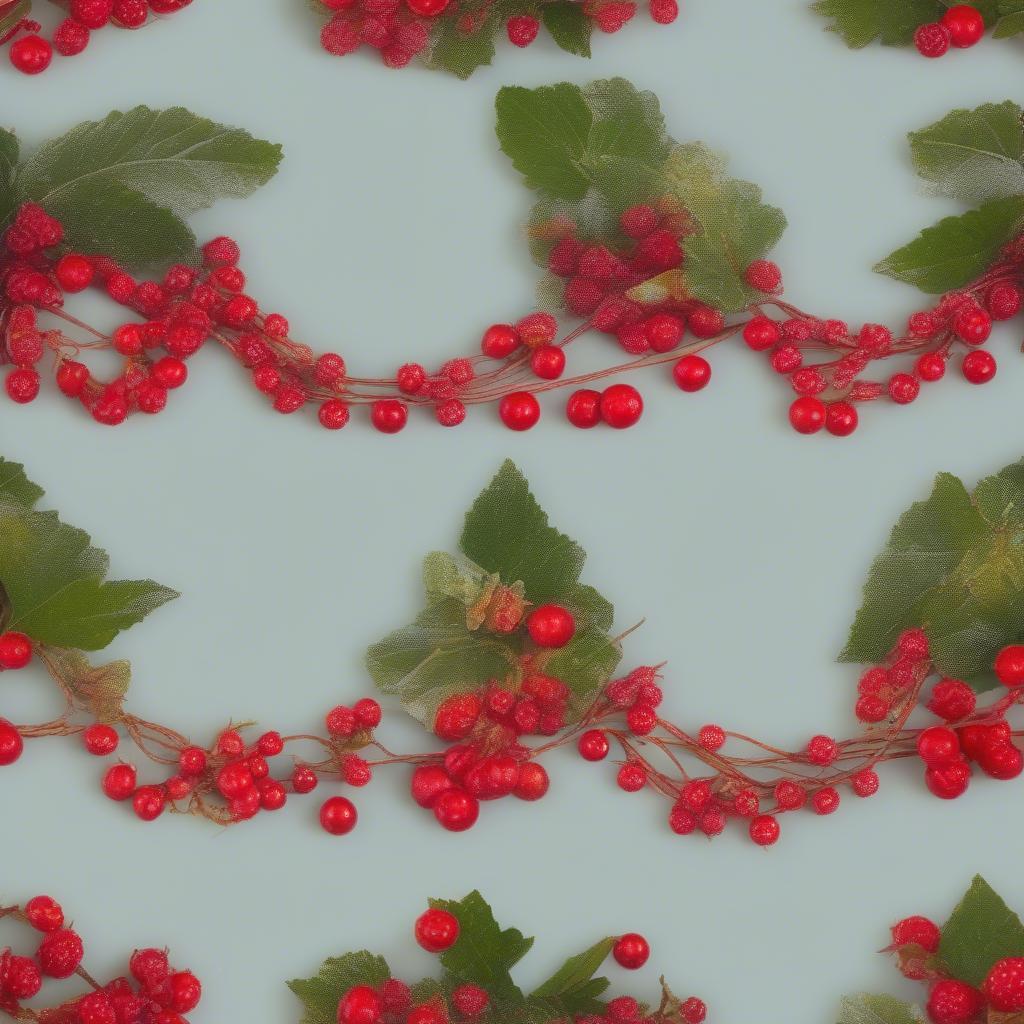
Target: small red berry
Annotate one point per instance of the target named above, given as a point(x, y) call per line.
point(948, 781)
point(22, 385)
point(711, 737)
point(456, 810)
point(60, 953)
point(931, 367)
point(583, 409)
point(822, 750)
point(593, 745)
point(436, 930)
point(631, 951)
point(551, 626)
point(522, 29)
point(429, 781)
point(1009, 665)
point(148, 802)
point(938, 746)
point(825, 801)
point(632, 777)
point(304, 779)
point(548, 362)
point(903, 388)
point(691, 373)
point(31, 54)
point(15, 650)
point(841, 419)
point(519, 410)
point(953, 1002)
point(100, 739)
point(389, 415)
point(338, 816)
point(44, 914)
point(456, 716)
point(184, 991)
point(500, 341)
point(807, 415)
point(764, 830)
point(360, 1005)
point(533, 782)
point(978, 367)
point(952, 699)
point(693, 1010)
point(865, 783)
point(917, 931)
point(932, 39)
point(470, 1000)
point(621, 406)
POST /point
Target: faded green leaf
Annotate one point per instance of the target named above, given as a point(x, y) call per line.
point(585, 664)
point(957, 249)
point(8, 164)
point(1011, 19)
point(569, 26)
point(573, 989)
point(734, 226)
point(99, 689)
point(892, 22)
point(459, 51)
point(880, 1009)
point(54, 580)
point(973, 155)
point(322, 993)
point(953, 565)
point(484, 953)
point(981, 930)
point(15, 487)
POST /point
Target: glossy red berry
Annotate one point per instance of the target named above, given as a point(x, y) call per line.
point(388, 415)
point(44, 914)
point(429, 781)
point(632, 777)
point(822, 750)
point(807, 415)
point(841, 419)
point(31, 54)
point(978, 367)
point(931, 367)
point(532, 782)
point(948, 781)
point(825, 801)
point(952, 699)
point(938, 746)
point(693, 1011)
point(119, 782)
point(548, 362)
point(583, 408)
point(338, 816)
point(631, 951)
point(360, 1005)
point(500, 341)
point(917, 931)
point(456, 810)
point(621, 406)
point(1009, 665)
point(551, 626)
point(149, 802)
point(184, 991)
point(761, 334)
point(691, 373)
point(304, 779)
point(15, 650)
point(1004, 985)
point(436, 930)
point(456, 716)
point(519, 410)
point(903, 388)
point(593, 745)
point(965, 25)
point(100, 739)
point(427, 8)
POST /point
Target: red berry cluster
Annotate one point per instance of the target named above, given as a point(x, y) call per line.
point(401, 29)
point(915, 941)
point(154, 993)
point(31, 53)
point(961, 26)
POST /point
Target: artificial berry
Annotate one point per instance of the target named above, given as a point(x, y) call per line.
point(691, 373)
point(903, 388)
point(948, 781)
point(149, 802)
point(953, 1002)
point(338, 816)
point(807, 415)
point(456, 716)
point(952, 699)
point(938, 746)
point(840, 419)
point(1004, 985)
point(532, 782)
point(932, 39)
point(764, 830)
point(456, 810)
point(865, 783)
point(44, 914)
point(931, 367)
point(31, 54)
point(631, 951)
point(621, 406)
point(15, 650)
point(519, 410)
point(522, 29)
point(593, 745)
point(360, 1005)
point(917, 931)
point(428, 783)
point(367, 713)
point(548, 362)
point(499, 341)
point(965, 25)
point(100, 739)
point(551, 626)
point(60, 953)
point(825, 801)
point(583, 408)
point(693, 1011)
point(22, 978)
point(184, 991)
point(822, 750)
point(470, 1000)
point(631, 777)
point(1009, 665)
point(436, 930)
point(978, 367)
point(388, 415)
point(22, 385)
point(304, 779)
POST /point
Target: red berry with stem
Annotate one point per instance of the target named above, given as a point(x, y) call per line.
point(44, 914)
point(764, 830)
point(100, 739)
point(1004, 985)
point(304, 779)
point(360, 1005)
point(119, 781)
point(149, 802)
point(15, 650)
point(841, 419)
point(583, 408)
point(519, 410)
point(952, 699)
point(978, 367)
point(436, 930)
point(551, 626)
point(932, 39)
point(31, 54)
point(807, 415)
point(621, 406)
point(548, 362)
point(903, 388)
point(1009, 665)
point(456, 810)
point(500, 341)
point(593, 745)
point(825, 801)
point(953, 1002)
point(429, 781)
point(711, 737)
point(184, 991)
point(74, 272)
point(632, 777)
point(691, 373)
point(965, 25)
point(631, 951)
point(917, 931)
point(761, 334)
point(169, 372)
point(338, 816)
point(822, 750)
point(865, 783)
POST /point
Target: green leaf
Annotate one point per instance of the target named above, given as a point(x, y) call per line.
point(484, 953)
point(322, 993)
point(459, 51)
point(734, 226)
point(15, 487)
point(1010, 19)
point(871, 1009)
point(9, 150)
point(544, 132)
point(981, 930)
point(569, 26)
point(54, 581)
point(957, 249)
point(892, 22)
point(507, 533)
point(973, 155)
point(585, 664)
point(134, 162)
point(437, 656)
point(953, 565)
point(573, 988)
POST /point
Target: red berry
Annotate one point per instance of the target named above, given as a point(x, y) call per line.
point(148, 802)
point(807, 415)
point(551, 626)
point(119, 782)
point(1009, 665)
point(31, 54)
point(519, 410)
point(593, 745)
point(74, 272)
point(15, 650)
point(410, 378)
point(932, 39)
point(60, 953)
point(436, 930)
point(184, 991)
point(429, 781)
point(338, 815)
point(470, 1000)
point(973, 326)
point(865, 783)
point(761, 334)
point(931, 367)
point(903, 388)
point(631, 951)
point(953, 1002)
point(149, 967)
point(711, 737)
point(764, 275)
point(389, 415)
point(499, 341)
point(691, 373)
point(705, 322)
point(71, 38)
point(790, 796)
point(360, 1005)
point(822, 750)
point(693, 1010)
point(632, 777)
point(978, 367)
point(638, 221)
point(456, 716)
point(533, 782)
point(965, 25)
point(456, 810)
point(1004, 985)
point(664, 332)
point(952, 699)
point(841, 419)
point(44, 914)
point(548, 362)
point(22, 385)
point(1001, 761)
point(1003, 301)
point(764, 830)
point(871, 708)
point(304, 779)
point(917, 931)
point(938, 746)
point(948, 781)
point(583, 409)
point(522, 29)
point(825, 801)
point(100, 739)
point(22, 977)
point(427, 8)
point(450, 413)
point(621, 406)
point(368, 713)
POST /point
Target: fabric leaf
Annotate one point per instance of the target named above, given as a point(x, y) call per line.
point(99, 689)
point(8, 164)
point(322, 993)
point(464, 41)
point(585, 664)
point(892, 22)
point(573, 988)
point(568, 25)
point(981, 930)
point(15, 487)
point(878, 1009)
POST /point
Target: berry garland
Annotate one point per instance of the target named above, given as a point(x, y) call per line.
point(477, 956)
point(973, 966)
point(932, 26)
point(643, 239)
point(154, 994)
point(32, 54)
point(513, 656)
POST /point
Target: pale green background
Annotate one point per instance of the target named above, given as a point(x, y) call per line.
point(392, 232)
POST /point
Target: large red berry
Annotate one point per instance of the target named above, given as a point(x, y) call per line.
point(22, 978)
point(1004, 986)
point(499, 341)
point(427, 8)
point(436, 930)
point(938, 746)
point(100, 739)
point(519, 410)
point(456, 810)
point(360, 1005)
point(807, 415)
point(31, 54)
point(1009, 665)
point(631, 951)
point(149, 802)
point(548, 362)
point(583, 408)
point(917, 931)
point(15, 650)
point(965, 25)
point(184, 991)
point(389, 415)
point(954, 1002)
point(338, 815)
point(691, 373)
point(621, 406)
point(149, 967)
point(60, 953)
point(952, 699)
point(978, 367)
point(948, 781)
point(551, 625)
point(533, 782)
point(429, 781)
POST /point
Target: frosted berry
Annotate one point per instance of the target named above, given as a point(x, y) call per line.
point(31, 54)
point(338, 816)
point(807, 415)
point(965, 25)
point(522, 29)
point(360, 1005)
point(456, 716)
point(184, 991)
point(691, 373)
point(368, 713)
point(22, 977)
point(952, 699)
point(764, 276)
point(764, 830)
point(436, 930)
point(593, 745)
point(583, 408)
point(119, 782)
point(15, 650)
point(631, 951)
point(60, 953)
point(470, 1000)
point(931, 367)
point(22, 385)
point(519, 410)
point(917, 931)
point(825, 801)
point(693, 1011)
point(304, 779)
point(932, 39)
point(865, 783)
point(71, 38)
point(551, 626)
point(711, 737)
point(1009, 665)
point(632, 777)
point(978, 367)
point(100, 739)
point(621, 406)
point(953, 1002)
point(822, 750)
point(1004, 985)
point(903, 388)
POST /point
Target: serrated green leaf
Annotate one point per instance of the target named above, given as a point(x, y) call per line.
point(628, 123)
point(953, 252)
point(981, 930)
point(15, 487)
point(9, 150)
point(569, 26)
point(973, 155)
point(585, 664)
point(734, 226)
point(1009, 25)
point(590, 606)
point(438, 656)
point(573, 988)
point(953, 565)
point(878, 1009)
point(54, 580)
point(484, 953)
point(892, 22)
point(459, 51)
point(322, 993)
point(172, 159)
